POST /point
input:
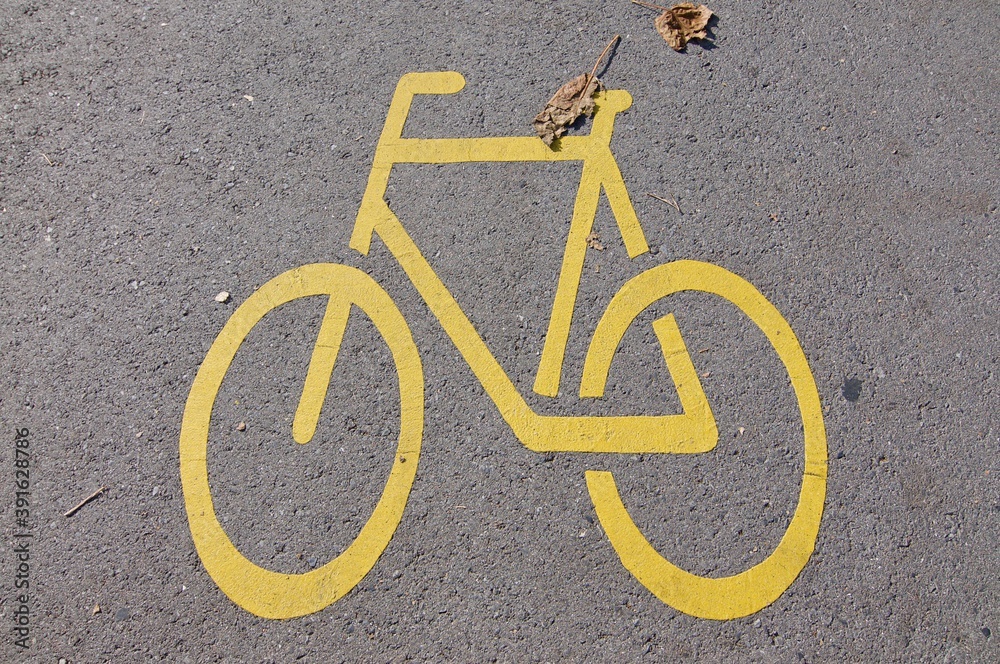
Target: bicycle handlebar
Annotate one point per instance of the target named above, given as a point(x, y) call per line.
point(431, 83)
point(416, 83)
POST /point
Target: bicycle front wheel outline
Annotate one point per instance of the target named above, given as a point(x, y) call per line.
point(750, 591)
point(273, 594)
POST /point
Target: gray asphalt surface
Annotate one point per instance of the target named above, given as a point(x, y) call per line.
point(840, 156)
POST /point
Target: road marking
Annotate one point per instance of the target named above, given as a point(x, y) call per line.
point(276, 595)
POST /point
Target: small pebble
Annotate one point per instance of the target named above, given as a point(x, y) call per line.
point(121, 614)
point(242, 426)
point(222, 297)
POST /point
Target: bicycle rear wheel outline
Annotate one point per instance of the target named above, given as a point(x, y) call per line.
point(273, 594)
point(740, 595)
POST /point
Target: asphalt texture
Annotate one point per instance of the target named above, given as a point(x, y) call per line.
point(841, 156)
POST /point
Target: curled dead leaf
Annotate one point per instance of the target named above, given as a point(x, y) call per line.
point(681, 23)
point(570, 101)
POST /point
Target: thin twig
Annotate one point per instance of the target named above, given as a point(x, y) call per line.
point(593, 72)
point(46, 158)
point(86, 500)
point(650, 6)
point(672, 202)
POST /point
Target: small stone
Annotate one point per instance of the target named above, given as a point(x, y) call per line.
point(222, 297)
point(121, 614)
point(242, 426)
point(986, 632)
point(95, 610)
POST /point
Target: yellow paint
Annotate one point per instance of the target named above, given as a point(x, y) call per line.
point(752, 590)
point(276, 595)
point(600, 170)
point(260, 591)
point(331, 334)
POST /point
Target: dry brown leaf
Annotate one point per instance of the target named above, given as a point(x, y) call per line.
point(572, 100)
point(593, 240)
point(681, 23)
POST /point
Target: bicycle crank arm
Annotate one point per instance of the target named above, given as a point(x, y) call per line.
point(634, 434)
point(692, 432)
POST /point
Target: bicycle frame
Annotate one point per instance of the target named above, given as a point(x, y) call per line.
point(693, 431)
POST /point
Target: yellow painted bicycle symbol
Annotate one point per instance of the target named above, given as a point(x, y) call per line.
point(276, 595)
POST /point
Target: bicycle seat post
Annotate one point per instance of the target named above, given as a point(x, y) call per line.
point(609, 104)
